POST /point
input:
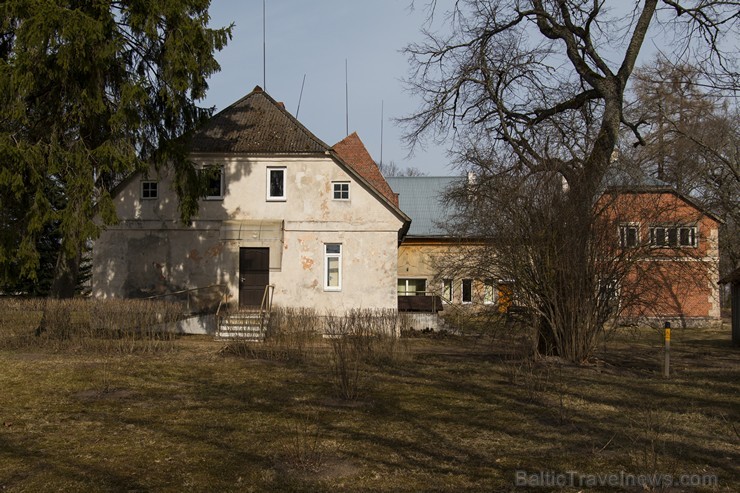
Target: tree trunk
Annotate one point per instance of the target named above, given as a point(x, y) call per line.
point(65, 274)
point(546, 344)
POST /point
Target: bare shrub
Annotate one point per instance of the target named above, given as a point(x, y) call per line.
point(117, 326)
point(293, 333)
point(651, 431)
point(19, 318)
point(357, 338)
point(305, 450)
point(128, 326)
point(346, 354)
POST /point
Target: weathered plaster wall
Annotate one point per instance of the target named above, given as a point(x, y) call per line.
point(150, 252)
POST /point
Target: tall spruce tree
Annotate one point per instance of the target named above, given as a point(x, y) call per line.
point(90, 92)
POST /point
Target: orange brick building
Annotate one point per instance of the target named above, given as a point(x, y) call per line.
point(668, 249)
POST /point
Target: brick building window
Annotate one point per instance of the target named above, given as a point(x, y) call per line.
point(673, 236)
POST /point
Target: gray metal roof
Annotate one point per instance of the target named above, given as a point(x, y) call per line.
point(422, 199)
point(624, 178)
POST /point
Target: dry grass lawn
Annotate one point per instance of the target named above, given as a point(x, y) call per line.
point(452, 414)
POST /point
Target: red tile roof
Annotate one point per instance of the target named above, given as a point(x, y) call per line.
point(353, 152)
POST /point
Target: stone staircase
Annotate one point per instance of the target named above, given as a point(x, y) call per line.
point(243, 325)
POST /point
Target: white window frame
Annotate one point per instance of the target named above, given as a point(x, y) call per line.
point(693, 236)
point(693, 233)
point(448, 285)
point(489, 292)
point(406, 286)
point(462, 292)
point(336, 187)
point(220, 196)
point(327, 257)
point(144, 193)
point(623, 235)
point(276, 198)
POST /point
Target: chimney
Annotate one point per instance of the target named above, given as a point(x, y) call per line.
point(281, 104)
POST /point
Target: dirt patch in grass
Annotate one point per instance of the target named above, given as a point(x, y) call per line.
point(458, 414)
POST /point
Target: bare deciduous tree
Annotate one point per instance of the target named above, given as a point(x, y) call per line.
point(692, 141)
point(392, 169)
point(532, 94)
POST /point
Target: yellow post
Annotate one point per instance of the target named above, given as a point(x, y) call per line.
point(667, 351)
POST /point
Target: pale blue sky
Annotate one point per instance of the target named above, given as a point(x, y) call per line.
point(314, 38)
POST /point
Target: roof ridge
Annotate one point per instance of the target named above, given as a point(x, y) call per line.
point(255, 123)
point(281, 107)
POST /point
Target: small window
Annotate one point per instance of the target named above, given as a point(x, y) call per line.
point(149, 190)
point(333, 266)
point(412, 287)
point(215, 182)
point(467, 291)
point(341, 190)
point(489, 292)
point(447, 290)
point(657, 237)
point(687, 237)
point(628, 236)
point(275, 183)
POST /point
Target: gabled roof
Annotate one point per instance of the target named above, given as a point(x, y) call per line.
point(353, 152)
point(622, 181)
point(619, 178)
point(423, 199)
point(255, 124)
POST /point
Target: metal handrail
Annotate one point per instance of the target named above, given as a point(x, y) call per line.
point(266, 298)
point(191, 290)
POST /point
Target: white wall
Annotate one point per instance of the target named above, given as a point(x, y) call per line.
point(150, 251)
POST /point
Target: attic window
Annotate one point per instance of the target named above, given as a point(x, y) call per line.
point(275, 183)
point(215, 182)
point(341, 190)
point(149, 190)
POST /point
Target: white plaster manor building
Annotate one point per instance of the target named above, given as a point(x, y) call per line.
point(318, 222)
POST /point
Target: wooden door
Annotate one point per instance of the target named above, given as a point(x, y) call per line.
point(254, 275)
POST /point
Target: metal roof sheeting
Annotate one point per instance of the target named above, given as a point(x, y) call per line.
point(422, 199)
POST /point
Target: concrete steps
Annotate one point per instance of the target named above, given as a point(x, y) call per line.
point(245, 325)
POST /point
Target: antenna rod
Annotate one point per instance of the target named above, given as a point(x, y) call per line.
point(264, 48)
point(300, 96)
point(381, 131)
point(346, 98)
